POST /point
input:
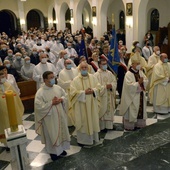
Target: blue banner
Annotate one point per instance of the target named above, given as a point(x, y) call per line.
point(113, 57)
point(82, 50)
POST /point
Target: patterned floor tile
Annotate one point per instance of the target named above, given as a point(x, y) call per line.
point(35, 146)
point(113, 134)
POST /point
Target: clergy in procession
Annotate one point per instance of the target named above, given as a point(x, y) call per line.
point(133, 101)
point(143, 62)
point(152, 60)
point(160, 86)
point(84, 93)
point(90, 68)
point(40, 68)
point(107, 95)
point(4, 120)
point(65, 77)
point(50, 117)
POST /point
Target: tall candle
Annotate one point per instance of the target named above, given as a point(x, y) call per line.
point(9, 95)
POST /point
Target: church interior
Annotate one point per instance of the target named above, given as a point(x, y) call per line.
point(144, 149)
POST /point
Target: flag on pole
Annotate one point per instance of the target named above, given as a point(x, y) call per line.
point(113, 57)
point(83, 50)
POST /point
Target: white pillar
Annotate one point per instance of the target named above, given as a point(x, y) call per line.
point(17, 142)
point(73, 16)
point(94, 19)
point(60, 17)
point(129, 27)
point(21, 15)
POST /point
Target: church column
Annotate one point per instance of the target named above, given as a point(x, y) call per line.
point(60, 16)
point(129, 24)
point(95, 15)
point(21, 15)
point(73, 17)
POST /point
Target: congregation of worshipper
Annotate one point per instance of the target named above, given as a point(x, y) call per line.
point(84, 85)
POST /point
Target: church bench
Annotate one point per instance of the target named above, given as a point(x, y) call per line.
point(27, 90)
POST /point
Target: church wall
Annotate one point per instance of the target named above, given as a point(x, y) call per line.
point(115, 8)
point(32, 4)
point(12, 5)
point(161, 7)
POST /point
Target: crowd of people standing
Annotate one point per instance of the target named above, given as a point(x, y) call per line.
point(77, 90)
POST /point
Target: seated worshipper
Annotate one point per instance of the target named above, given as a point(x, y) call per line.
point(56, 48)
point(34, 57)
point(18, 62)
point(133, 100)
point(84, 103)
point(50, 55)
point(153, 59)
point(120, 45)
point(107, 95)
point(4, 120)
point(65, 78)
point(90, 68)
point(121, 71)
point(94, 62)
point(3, 51)
point(12, 70)
point(160, 86)
point(60, 64)
point(72, 54)
point(10, 56)
point(50, 117)
point(40, 68)
point(27, 69)
point(39, 45)
point(10, 79)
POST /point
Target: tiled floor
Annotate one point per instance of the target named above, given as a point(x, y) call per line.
point(36, 151)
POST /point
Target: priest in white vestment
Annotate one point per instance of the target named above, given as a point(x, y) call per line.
point(56, 48)
point(40, 68)
point(72, 54)
point(50, 117)
point(143, 62)
point(90, 68)
point(160, 86)
point(64, 79)
point(85, 105)
point(107, 95)
point(153, 59)
point(133, 101)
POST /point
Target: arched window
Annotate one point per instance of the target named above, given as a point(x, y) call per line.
point(122, 20)
point(8, 23)
point(33, 19)
point(154, 20)
point(68, 18)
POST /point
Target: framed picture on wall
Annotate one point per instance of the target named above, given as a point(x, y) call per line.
point(71, 13)
point(93, 11)
point(129, 9)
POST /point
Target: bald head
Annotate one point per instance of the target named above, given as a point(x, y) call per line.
point(164, 57)
point(83, 65)
point(156, 50)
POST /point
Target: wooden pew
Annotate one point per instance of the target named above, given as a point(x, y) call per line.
point(27, 90)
